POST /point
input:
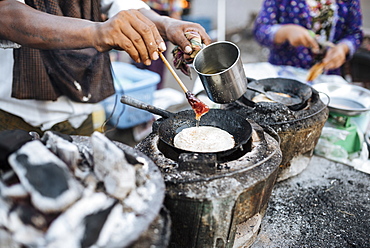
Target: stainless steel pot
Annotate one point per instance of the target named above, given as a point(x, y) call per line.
point(221, 71)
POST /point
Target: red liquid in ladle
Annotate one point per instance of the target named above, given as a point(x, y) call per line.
point(197, 105)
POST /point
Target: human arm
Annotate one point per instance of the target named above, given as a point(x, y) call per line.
point(128, 30)
point(335, 57)
point(296, 35)
point(164, 28)
point(348, 35)
point(271, 30)
point(170, 29)
point(174, 30)
point(27, 26)
point(266, 24)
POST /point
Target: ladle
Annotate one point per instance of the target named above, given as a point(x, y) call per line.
point(288, 101)
point(197, 105)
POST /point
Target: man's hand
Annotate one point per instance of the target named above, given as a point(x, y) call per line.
point(175, 32)
point(132, 32)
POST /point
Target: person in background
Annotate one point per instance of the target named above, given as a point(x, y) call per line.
point(301, 33)
point(57, 63)
point(173, 9)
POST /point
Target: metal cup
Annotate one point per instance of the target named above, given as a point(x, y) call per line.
point(221, 71)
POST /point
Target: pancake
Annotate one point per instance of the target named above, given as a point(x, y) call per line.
point(263, 98)
point(204, 139)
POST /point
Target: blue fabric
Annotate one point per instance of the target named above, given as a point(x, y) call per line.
point(275, 13)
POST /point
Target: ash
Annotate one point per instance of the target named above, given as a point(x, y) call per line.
point(86, 211)
point(272, 112)
point(327, 205)
point(281, 117)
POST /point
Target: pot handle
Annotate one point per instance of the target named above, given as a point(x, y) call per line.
point(144, 106)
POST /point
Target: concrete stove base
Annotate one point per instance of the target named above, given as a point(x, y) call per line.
point(246, 232)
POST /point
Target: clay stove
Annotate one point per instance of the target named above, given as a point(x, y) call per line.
point(217, 204)
point(298, 128)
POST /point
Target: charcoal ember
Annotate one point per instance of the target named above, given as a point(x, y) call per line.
point(120, 229)
point(23, 232)
point(97, 216)
point(28, 225)
point(137, 202)
point(111, 167)
point(31, 216)
point(11, 187)
point(81, 225)
point(141, 166)
point(7, 240)
point(34, 135)
point(5, 206)
point(135, 160)
point(274, 112)
point(85, 167)
point(46, 178)
point(64, 149)
point(142, 173)
point(10, 141)
point(13, 191)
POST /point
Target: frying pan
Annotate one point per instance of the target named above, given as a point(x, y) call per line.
point(173, 123)
point(284, 85)
point(274, 96)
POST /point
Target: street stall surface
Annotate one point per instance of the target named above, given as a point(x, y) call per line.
point(327, 205)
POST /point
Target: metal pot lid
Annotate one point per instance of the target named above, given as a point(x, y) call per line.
point(345, 99)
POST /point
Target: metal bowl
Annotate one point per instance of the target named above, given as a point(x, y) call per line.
point(345, 99)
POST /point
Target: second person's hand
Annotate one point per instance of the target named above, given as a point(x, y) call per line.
point(336, 56)
point(297, 36)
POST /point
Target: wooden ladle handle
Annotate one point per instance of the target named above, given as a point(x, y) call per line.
point(169, 67)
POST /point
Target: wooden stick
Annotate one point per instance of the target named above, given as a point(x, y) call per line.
point(182, 85)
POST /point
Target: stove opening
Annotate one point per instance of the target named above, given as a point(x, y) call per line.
point(174, 153)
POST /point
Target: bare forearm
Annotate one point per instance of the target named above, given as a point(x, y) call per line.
point(29, 27)
point(158, 20)
point(173, 30)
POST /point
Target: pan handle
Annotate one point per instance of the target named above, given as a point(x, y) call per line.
point(144, 106)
